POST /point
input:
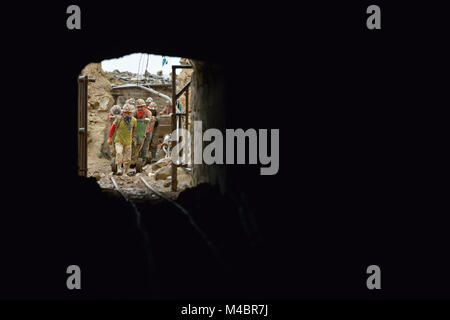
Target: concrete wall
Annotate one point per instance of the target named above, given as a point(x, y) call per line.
point(208, 105)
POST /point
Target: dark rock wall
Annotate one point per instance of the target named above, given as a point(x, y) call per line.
point(208, 105)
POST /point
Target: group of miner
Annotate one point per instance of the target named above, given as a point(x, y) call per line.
point(124, 143)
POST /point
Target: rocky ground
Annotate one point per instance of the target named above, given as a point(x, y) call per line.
point(157, 175)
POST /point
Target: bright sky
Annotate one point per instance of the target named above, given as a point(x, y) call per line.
point(131, 63)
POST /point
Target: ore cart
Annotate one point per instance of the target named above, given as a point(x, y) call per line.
point(161, 128)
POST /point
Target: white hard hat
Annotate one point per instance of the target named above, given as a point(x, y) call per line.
point(130, 101)
point(115, 109)
point(140, 102)
point(127, 108)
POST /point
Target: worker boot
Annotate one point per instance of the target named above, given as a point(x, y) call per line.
point(125, 169)
point(119, 169)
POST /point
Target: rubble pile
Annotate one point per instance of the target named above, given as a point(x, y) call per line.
point(162, 171)
point(99, 96)
point(99, 103)
point(147, 79)
point(158, 174)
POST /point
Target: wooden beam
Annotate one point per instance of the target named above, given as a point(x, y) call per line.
point(183, 90)
point(174, 125)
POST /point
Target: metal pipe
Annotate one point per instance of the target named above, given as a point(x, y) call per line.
point(159, 94)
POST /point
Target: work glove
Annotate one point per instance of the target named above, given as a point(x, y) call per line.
point(134, 139)
point(109, 140)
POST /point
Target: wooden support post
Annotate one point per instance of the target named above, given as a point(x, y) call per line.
point(82, 126)
point(174, 125)
point(83, 82)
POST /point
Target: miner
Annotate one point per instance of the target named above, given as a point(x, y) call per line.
point(141, 113)
point(152, 108)
point(132, 103)
point(167, 109)
point(124, 126)
point(115, 112)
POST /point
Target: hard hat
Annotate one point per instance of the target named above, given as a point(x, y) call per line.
point(127, 108)
point(115, 109)
point(130, 101)
point(140, 102)
point(149, 100)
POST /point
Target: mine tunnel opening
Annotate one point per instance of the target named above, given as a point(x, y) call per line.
point(144, 82)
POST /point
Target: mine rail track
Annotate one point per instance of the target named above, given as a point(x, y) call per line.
point(210, 245)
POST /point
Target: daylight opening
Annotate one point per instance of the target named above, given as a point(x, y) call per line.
point(129, 119)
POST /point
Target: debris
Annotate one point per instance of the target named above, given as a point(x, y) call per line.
point(183, 177)
point(161, 163)
point(162, 173)
point(99, 101)
point(105, 103)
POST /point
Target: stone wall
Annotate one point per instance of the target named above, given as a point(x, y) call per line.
point(208, 105)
